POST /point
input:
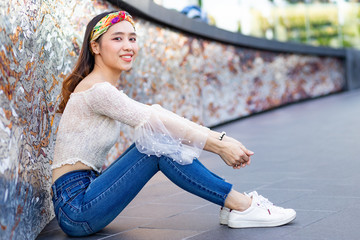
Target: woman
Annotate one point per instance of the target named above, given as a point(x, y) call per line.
point(86, 200)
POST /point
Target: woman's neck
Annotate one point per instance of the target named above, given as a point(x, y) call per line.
point(106, 74)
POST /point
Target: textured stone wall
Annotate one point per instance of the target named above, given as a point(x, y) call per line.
point(202, 80)
point(39, 44)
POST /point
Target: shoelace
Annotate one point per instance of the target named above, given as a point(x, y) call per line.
point(264, 202)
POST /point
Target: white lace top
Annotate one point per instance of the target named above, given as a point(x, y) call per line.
point(90, 126)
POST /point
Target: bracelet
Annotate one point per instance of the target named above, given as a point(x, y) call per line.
point(222, 135)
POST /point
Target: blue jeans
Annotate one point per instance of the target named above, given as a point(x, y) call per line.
point(85, 202)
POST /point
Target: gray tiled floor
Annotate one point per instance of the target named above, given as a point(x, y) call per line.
point(305, 158)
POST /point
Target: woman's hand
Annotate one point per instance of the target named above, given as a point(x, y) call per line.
point(234, 153)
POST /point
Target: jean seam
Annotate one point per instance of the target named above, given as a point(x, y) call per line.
point(68, 189)
point(77, 223)
point(192, 181)
point(57, 201)
point(104, 193)
point(73, 208)
point(77, 177)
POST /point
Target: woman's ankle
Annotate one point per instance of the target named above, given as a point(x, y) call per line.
point(245, 205)
point(237, 201)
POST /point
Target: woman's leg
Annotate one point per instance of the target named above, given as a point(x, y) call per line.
point(237, 201)
point(133, 170)
point(89, 203)
point(196, 179)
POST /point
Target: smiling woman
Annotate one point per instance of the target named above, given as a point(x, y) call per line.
point(117, 49)
point(86, 199)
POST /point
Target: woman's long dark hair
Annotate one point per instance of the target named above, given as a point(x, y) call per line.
point(84, 64)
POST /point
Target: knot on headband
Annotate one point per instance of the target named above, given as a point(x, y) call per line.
point(103, 25)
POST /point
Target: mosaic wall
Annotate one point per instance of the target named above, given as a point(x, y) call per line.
point(202, 80)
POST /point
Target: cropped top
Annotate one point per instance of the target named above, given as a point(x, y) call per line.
point(90, 126)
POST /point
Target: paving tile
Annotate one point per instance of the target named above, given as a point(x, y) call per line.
point(320, 203)
point(243, 186)
point(51, 226)
point(58, 234)
point(153, 234)
point(208, 209)
point(183, 198)
point(187, 221)
point(155, 211)
point(301, 184)
point(224, 232)
point(121, 224)
point(159, 177)
point(339, 189)
point(341, 225)
point(155, 192)
point(260, 176)
point(305, 218)
point(329, 170)
point(279, 196)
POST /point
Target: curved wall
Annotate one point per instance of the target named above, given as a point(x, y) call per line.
point(39, 44)
point(208, 81)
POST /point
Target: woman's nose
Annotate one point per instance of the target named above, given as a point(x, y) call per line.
point(127, 45)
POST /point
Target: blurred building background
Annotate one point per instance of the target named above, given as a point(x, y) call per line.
point(333, 23)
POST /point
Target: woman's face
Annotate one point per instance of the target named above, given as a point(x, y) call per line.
point(118, 47)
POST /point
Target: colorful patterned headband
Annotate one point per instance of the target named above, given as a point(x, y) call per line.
point(103, 25)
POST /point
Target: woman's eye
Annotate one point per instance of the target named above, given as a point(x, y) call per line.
point(133, 39)
point(117, 38)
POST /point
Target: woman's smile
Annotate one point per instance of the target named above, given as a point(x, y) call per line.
point(127, 57)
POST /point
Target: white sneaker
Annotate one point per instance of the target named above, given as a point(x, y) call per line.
point(224, 215)
point(261, 213)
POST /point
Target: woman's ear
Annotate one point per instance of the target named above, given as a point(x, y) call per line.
point(94, 47)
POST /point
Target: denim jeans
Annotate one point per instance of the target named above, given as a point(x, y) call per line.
point(85, 201)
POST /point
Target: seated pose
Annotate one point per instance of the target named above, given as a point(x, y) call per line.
point(86, 199)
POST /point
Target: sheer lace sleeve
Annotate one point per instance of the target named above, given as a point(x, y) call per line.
point(168, 134)
point(157, 130)
point(107, 100)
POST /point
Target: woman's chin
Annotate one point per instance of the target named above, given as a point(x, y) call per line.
point(126, 69)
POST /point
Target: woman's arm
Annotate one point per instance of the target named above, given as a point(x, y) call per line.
point(233, 152)
point(162, 132)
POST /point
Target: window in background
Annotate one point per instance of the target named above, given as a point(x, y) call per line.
point(334, 23)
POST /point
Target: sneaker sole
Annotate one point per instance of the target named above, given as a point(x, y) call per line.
point(254, 224)
point(223, 218)
point(223, 221)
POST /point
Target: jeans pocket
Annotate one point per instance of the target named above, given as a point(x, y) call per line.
point(75, 188)
point(71, 227)
point(75, 193)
